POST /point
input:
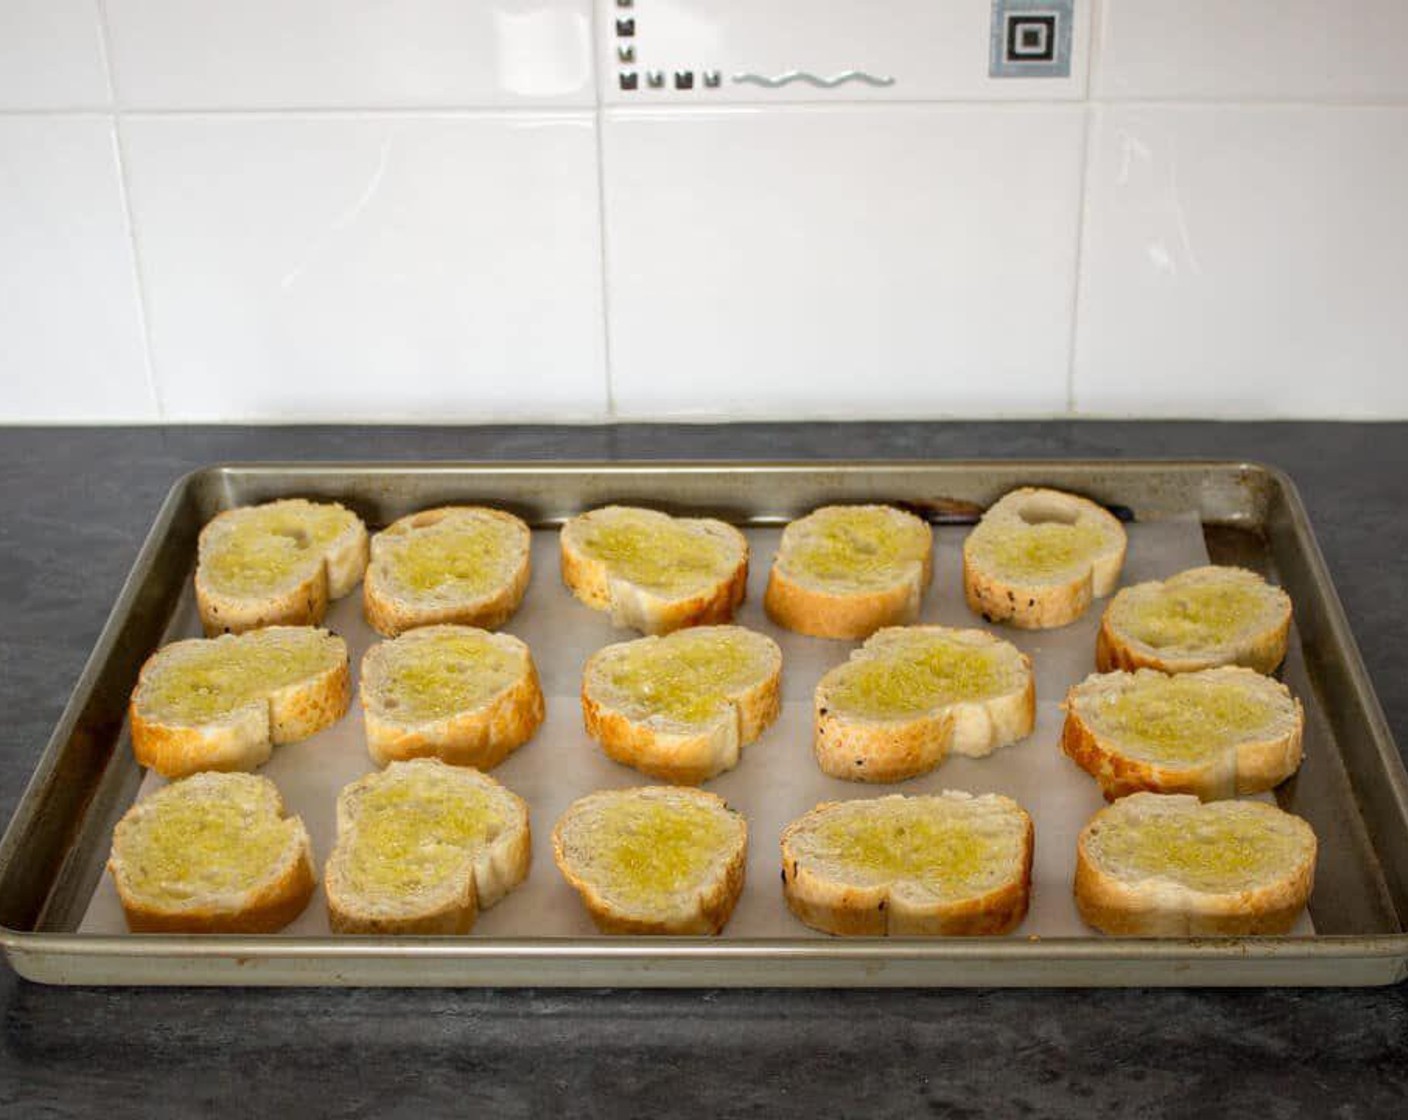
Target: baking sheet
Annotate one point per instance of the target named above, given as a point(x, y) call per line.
point(777, 779)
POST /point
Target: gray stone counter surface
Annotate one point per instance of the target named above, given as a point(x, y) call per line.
point(74, 507)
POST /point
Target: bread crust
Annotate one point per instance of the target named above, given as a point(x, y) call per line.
point(888, 909)
point(592, 581)
point(1166, 909)
point(244, 739)
point(820, 612)
point(266, 908)
point(824, 614)
point(1251, 766)
point(330, 574)
point(879, 750)
point(1262, 651)
point(1037, 604)
point(865, 749)
point(714, 904)
point(303, 605)
point(690, 755)
point(268, 911)
point(497, 869)
point(391, 614)
point(481, 738)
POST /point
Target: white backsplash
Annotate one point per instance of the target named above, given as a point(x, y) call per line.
point(468, 210)
point(51, 57)
point(841, 261)
point(351, 267)
point(301, 54)
point(71, 343)
point(1285, 297)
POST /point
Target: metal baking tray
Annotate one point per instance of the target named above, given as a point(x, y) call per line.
point(1353, 788)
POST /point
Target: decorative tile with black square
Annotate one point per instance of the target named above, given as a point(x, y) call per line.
point(1031, 39)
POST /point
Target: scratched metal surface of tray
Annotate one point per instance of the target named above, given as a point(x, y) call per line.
point(1352, 788)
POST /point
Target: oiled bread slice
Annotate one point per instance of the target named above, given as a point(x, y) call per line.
point(466, 696)
point(224, 703)
point(423, 847)
point(659, 859)
point(1155, 865)
point(460, 564)
point(277, 564)
point(912, 694)
point(682, 706)
point(212, 853)
point(1215, 733)
point(947, 863)
point(846, 571)
point(1198, 619)
point(653, 572)
point(1038, 558)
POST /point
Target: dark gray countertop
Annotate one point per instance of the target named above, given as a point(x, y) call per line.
point(77, 504)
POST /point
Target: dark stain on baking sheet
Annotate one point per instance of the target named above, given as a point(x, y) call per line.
point(954, 511)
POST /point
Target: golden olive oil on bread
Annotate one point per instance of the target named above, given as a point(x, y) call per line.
point(1197, 619)
point(847, 571)
point(945, 864)
point(224, 703)
point(277, 564)
point(653, 860)
point(912, 694)
point(1039, 557)
point(653, 572)
point(422, 847)
point(467, 565)
point(464, 695)
point(213, 853)
point(1171, 866)
point(1214, 733)
point(682, 706)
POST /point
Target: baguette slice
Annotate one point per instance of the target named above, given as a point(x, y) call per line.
point(846, 571)
point(1152, 865)
point(212, 853)
point(911, 694)
point(277, 564)
point(465, 696)
point(654, 572)
point(1038, 557)
point(659, 859)
point(682, 706)
point(944, 864)
point(224, 703)
point(1198, 619)
point(423, 847)
point(458, 564)
point(1216, 733)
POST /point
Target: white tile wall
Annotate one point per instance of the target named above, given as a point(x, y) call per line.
point(1280, 50)
point(70, 329)
point(1245, 261)
point(371, 268)
point(928, 50)
point(843, 262)
point(251, 54)
point(360, 209)
point(51, 55)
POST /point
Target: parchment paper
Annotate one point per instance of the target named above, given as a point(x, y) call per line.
point(777, 779)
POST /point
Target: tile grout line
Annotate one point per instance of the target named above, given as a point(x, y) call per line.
point(1094, 37)
point(599, 123)
point(120, 153)
point(1077, 283)
point(665, 108)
